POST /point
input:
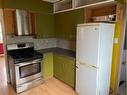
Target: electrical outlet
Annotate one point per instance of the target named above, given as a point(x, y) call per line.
point(115, 40)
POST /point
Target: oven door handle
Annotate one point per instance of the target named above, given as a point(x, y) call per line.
point(28, 63)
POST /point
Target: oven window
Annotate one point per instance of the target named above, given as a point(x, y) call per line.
point(29, 70)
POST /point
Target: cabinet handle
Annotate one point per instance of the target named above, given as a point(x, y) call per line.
point(77, 67)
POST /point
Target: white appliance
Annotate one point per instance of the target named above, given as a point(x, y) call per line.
point(94, 58)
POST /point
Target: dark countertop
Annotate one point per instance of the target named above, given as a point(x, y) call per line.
point(61, 51)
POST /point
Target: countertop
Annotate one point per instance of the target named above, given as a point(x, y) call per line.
point(61, 51)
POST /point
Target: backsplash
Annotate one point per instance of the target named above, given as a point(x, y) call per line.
point(66, 44)
point(38, 43)
point(18, 39)
point(43, 43)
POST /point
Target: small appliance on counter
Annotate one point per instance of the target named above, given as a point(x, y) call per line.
point(25, 66)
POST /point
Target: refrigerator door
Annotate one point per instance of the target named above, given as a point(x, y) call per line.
point(87, 49)
point(86, 80)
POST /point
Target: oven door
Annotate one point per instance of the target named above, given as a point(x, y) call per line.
point(28, 71)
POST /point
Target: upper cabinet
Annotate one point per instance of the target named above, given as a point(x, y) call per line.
point(9, 22)
point(63, 5)
point(86, 3)
point(67, 5)
point(107, 13)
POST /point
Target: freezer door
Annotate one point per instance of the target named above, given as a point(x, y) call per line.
point(86, 80)
point(87, 49)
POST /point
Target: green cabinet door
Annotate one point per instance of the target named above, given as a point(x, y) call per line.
point(47, 65)
point(64, 69)
point(69, 71)
point(58, 67)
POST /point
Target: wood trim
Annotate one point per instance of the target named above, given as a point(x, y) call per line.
point(32, 23)
point(119, 12)
point(8, 9)
point(9, 21)
point(88, 15)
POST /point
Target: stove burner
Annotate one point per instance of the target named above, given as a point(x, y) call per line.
point(23, 56)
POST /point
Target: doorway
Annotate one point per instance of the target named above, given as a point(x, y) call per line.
point(4, 79)
point(123, 75)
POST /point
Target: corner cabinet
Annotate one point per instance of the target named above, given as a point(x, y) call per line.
point(64, 69)
point(67, 5)
point(47, 65)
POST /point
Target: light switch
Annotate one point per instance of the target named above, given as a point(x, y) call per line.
point(115, 40)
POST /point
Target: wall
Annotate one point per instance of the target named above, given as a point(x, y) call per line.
point(32, 5)
point(1, 3)
point(44, 25)
point(65, 26)
point(66, 22)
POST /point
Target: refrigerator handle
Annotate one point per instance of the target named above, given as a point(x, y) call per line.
point(90, 66)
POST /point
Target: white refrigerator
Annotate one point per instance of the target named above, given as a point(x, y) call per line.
point(94, 45)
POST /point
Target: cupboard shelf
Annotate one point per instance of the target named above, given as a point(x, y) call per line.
point(108, 13)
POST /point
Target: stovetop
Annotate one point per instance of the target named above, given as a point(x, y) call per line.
point(20, 56)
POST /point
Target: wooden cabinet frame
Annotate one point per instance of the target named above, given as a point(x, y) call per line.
point(10, 22)
point(113, 9)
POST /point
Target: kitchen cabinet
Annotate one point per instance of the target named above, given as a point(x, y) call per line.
point(63, 5)
point(47, 65)
point(44, 25)
point(9, 21)
point(67, 5)
point(107, 13)
point(64, 69)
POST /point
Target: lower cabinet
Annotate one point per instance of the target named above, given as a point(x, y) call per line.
point(47, 65)
point(64, 69)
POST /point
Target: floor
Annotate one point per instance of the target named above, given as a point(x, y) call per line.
point(49, 87)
